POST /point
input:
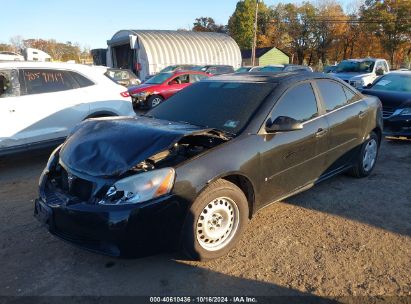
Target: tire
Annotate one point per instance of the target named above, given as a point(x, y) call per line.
point(154, 100)
point(215, 221)
point(365, 163)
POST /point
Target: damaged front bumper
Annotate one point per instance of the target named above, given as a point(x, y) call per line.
point(397, 126)
point(129, 230)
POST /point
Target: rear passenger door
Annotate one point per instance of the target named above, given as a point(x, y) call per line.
point(51, 103)
point(345, 114)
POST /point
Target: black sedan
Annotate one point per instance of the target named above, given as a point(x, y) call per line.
point(394, 91)
point(194, 170)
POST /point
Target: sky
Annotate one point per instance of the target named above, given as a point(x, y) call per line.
point(92, 22)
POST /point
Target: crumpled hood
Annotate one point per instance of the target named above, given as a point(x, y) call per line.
point(110, 147)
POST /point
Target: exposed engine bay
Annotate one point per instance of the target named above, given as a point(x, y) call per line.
point(186, 148)
point(120, 155)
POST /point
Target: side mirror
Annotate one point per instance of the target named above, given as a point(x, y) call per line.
point(282, 124)
point(172, 82)
point(379, 72)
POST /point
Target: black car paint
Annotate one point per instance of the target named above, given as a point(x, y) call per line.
point(287, 162)
point(394, 125)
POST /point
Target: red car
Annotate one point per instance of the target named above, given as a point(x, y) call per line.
point(162, 86)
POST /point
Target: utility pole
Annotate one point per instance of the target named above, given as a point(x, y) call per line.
point(255, 34)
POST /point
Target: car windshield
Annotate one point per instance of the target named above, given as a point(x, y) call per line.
point(394, 82)
point(271, 69)
point(226, 106)
point(159, 78)
point(355, 66)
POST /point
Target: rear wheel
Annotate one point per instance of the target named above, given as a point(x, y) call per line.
point(154, 100)
point(367, 157)
point(215, 221)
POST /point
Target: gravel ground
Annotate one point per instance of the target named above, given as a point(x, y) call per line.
point(344, 237)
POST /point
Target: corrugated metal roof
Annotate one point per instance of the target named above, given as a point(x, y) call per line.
point(184, 47)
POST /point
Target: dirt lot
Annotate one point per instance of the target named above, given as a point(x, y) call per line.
point(344, 237)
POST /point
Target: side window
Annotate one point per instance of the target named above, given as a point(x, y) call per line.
point(196, 77)
point(332, 93)
point(385, 67)
point(298, 103)
point(182, 79)
point(212, 70)
point(81, 80)
point(9, 83)
point(46, 81)
point(350, 95)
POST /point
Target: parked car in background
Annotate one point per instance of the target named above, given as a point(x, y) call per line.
point(180, 67)
point(243, 69)
point(285, 68)
point(217, 69)
point(194, 170)
point(10, 56)
point(329, 68)
point(162, 86)
point(361, 72)
point(176, 68)
point(122, 77)
point(41, 102)
point(394, 91)
point(249, 69)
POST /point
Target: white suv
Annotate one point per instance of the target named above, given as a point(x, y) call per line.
point(41, 102)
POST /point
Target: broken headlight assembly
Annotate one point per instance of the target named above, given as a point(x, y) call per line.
point(141, 187)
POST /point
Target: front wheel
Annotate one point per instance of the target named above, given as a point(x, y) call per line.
point(367, 157)
point(154, 100)
point(215, 221)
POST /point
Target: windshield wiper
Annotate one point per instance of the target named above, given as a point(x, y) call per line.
point(223, 134)
point(220, 133)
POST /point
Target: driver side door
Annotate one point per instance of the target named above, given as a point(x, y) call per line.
point(293, 159)
point(176, 84)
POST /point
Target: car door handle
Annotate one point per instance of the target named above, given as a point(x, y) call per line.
point(321, 132)
point(361, 114)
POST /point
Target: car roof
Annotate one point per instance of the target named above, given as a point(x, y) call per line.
point(51, 65)
point(180, 72)
point(270, 77)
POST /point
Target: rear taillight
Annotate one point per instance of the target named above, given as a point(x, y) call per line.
point(125, 94)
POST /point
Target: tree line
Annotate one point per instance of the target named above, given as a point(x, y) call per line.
point(58, 51)
point(323, 33)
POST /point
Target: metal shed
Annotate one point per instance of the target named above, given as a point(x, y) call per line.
point(148, 51)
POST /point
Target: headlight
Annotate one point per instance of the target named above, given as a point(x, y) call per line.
point(405, 111)
point(53, 159)
point(140, 94)
point(140, 187)
point(359, 83)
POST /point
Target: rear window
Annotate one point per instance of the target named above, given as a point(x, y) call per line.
point(39, 81)
point(81, 80)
